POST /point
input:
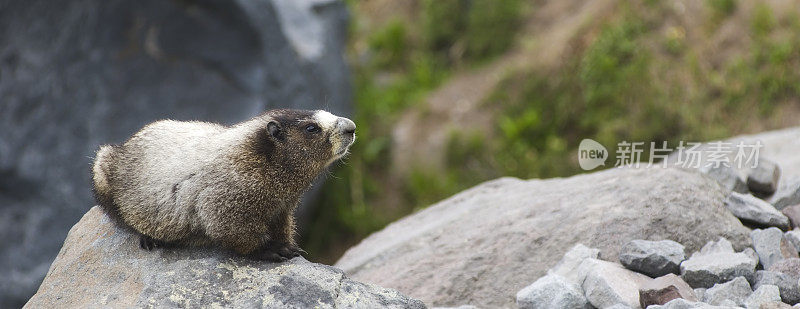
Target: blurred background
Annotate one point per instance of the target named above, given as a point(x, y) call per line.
point(446, 93)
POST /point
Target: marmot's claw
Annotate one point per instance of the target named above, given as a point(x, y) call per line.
point(290, 252)
point(272, 257)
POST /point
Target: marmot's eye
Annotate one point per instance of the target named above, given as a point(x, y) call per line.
point(312, 128)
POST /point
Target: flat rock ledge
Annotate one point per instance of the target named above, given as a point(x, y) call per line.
point(101, 265)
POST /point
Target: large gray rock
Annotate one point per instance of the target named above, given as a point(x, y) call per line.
point(755, 211)
point(763, 178)
point(787, 284)
point(551, 291)
point(78, 73)
point(101, 265)
point(736, 290)
point(652, 258)
point(503, 234)
point(608, 284)
point(771, 246)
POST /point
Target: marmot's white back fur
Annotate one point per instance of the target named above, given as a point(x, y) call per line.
point(198, 183)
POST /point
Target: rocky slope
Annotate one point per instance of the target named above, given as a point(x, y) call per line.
point(476, 246)
point(75, 74)
point(101, 265)
point(482, 245)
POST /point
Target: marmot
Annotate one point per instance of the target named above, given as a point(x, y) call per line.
point(199, 183)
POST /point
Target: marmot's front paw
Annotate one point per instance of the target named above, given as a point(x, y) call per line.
point(275, 252)
point(290, 251)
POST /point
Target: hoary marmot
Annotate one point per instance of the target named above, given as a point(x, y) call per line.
point(199, 183)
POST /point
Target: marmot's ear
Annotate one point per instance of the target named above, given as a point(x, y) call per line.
point(274, 130)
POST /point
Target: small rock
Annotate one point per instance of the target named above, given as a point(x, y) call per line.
point(727, 177)
point(736, 290)
point(663, 289)
point(793, 237)
point(752, 254)
point(700, 292)
point(788, 194)
point(568, 265)
point(705, 270)
point(551, 291)
point(763, 179)
point(619, 306)
point(752, 210)
point(609, 284)
point(775, 305)
point(764, 294)
point(459, 307)
point(652, 258)
point(793, 213)
point(771, 246)
point(788, 285)
point(789, 266)
point(722, 245)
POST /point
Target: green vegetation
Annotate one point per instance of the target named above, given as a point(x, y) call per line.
point(722, 8)
point(637, 77)
point(405, 61)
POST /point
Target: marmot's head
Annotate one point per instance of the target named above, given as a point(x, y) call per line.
point(304, 142)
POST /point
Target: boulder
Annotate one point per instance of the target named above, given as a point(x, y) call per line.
point(763, 178)
point(503, 234)
point(101, 265)
point(764, 294)
point(736, 290)
point(652, 258)
point(608, 284)
point(80, 73)
point(551, 291)
point(663, 289)
point(771, 246)
point(787, 284)
point(755, 211)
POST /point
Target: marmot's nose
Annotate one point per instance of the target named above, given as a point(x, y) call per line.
point(347, 126)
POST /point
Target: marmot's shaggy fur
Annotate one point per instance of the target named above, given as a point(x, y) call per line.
point(198, 183)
